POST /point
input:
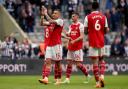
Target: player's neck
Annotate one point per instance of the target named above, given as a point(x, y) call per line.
point(75, 22)
point(56, 18)
point(95, 11)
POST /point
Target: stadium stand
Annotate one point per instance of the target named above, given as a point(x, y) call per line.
point(27, 15)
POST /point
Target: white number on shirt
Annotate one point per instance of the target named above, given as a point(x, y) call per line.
point(97, 25)
point(47, 33)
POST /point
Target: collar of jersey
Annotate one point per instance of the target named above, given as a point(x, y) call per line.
point(76, 23)
point(95, 12)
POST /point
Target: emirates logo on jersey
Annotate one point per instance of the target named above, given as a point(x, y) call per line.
point(73, 32)
point(76, 28)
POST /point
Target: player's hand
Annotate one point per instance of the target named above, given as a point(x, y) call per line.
point(44, 10)
point(72, 41)
point(107, 30)
point(68, 38)
point(67, 34)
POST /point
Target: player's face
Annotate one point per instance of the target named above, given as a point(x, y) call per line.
point(74, 17)
point(56, 14)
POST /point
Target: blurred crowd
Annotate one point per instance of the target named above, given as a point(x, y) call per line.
point(27, 11)
point(12, 48)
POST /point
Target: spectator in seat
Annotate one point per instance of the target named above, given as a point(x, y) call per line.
point(116, 48)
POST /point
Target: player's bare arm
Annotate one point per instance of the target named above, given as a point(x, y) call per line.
point(86, 25)
point(43, 22)
point(106, 28)
point(64, 31)
point(64, 34)
point(50, 20)
point(85, 30)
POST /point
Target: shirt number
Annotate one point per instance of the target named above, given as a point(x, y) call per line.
point(47, 33)
point(97, 25)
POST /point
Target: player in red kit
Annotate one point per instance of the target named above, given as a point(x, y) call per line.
point(54, 47)
point(75, 52)
point(96, 26)
point(48, 28)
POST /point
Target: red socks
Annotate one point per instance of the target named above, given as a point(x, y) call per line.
point(68, 71)
point(96, 72)
point(45, 71)
point(102, 67)
point(83, 69)
point(57, 71)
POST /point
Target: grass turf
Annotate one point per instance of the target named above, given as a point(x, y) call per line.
point(31, 82)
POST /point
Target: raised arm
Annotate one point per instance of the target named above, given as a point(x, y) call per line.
point(55, 15)
point(43, 22)
point(47, 16)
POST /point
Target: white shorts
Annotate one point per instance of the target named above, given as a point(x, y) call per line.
point(54, 52)
point(75, 55)
point(96, 52)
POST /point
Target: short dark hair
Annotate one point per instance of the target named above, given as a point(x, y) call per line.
point(76, 13)
point(95, 5)
point(57, 10)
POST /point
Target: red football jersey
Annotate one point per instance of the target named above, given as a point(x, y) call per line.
point(47, 33)
point(55, 36)
point(74, 33)
point(96, 22)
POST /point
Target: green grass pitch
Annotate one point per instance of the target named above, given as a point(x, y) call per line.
point(31, 82)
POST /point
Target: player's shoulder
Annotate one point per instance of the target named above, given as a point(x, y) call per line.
point(61, 19)
point(87, 15)
point(77, 24)
point(97, 13)
point(80, 23)
point(102, 14)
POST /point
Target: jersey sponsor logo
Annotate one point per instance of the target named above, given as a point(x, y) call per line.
point(73, 33)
